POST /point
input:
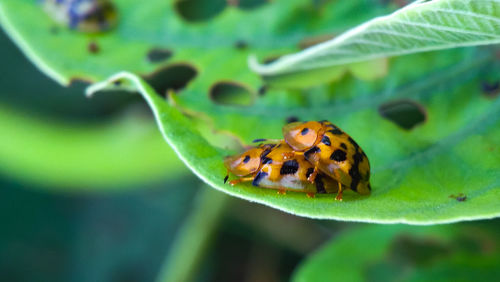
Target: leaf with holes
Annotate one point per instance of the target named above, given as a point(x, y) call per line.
point(444, 169)
point(169, 37)
point(382, 253)
point(417, 177)
point(421, 26)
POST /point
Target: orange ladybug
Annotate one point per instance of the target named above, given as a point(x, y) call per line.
point(270, 166)
point(331, 151)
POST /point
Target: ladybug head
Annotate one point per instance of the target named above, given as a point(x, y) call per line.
point(302, 135)
point(245, 163)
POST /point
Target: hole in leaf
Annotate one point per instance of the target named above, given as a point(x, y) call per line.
point(173, 77)
point(231, 93)
point(240, 44)
point(199, 10)
point(262, 90)
point(250, 4)
point(291, 119)
point(157, 55)
point(405, 113)
point(490, 89)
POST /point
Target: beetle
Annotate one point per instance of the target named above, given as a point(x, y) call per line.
point(270, 166)
point(331, 151)
point(84, 15)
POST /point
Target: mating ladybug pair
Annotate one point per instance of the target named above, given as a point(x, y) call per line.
point(314, 157)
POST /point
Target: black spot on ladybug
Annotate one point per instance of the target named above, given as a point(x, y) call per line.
point(246, 159)
point(320, 186)
point(240, 44)
point(336, 131)
point(325, 140)
point(304, 131)
point(264, 154)
point(353, 143)
point(354, 171)
point(338, 155)
point(291, 119)
point(262, 90)
point(258, 178)
point(343, 145)
point(157, 55)
point(313, 150)
point(226, 178)
point(93, 48)
point(267, 160)
point(289, 167)
point(358, 157)
point(309, 172)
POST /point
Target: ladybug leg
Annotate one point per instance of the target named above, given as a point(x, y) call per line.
point(310, 195)
point(239, 180)
point(312, 177)
point(281, 191)
point(227, 177)
point(339, 195)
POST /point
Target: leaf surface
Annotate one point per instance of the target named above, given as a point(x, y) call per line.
point(408, 187)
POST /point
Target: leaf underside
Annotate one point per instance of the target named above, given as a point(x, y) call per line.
point(421, 26)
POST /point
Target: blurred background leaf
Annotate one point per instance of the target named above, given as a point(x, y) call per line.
point(58, 140)
point(462, 252)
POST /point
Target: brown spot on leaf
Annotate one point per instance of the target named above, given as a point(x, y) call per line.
point(310, 41)
point(93, 47)
point(461, 197)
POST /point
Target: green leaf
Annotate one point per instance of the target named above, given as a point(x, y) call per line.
point(208, 46)
point(84, 157)
point(421, 26)
point(395, 253)
point(409, 185)
point(414, 171)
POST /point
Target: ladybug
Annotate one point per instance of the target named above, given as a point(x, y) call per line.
point(270, 166)
point(331, 151)
point(84, 15)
